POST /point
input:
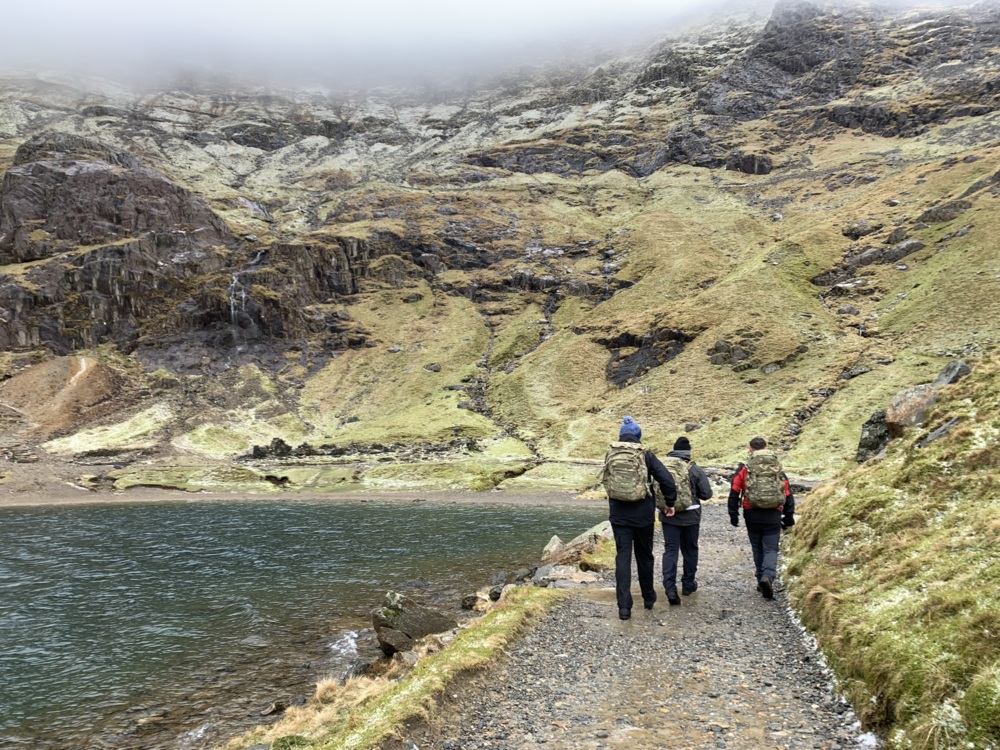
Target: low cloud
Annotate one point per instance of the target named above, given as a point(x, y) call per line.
point(322, 42)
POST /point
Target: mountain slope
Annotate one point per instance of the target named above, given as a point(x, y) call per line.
point(748, 227)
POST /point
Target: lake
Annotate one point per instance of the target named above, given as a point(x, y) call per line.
point(173, 625)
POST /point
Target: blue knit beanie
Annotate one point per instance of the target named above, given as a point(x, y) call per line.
point(630, 427)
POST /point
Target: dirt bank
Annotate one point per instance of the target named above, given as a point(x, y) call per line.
point(38, 490)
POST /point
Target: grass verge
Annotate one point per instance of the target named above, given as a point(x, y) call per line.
point(895, 566)
point(364, 712)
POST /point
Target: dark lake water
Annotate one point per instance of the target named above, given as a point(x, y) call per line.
point(174, 625)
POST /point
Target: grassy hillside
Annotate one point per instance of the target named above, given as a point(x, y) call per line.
point(894, 565)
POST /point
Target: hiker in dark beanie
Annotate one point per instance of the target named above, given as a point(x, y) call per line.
point(633, 518)
point(760, 487)
point(681, 529)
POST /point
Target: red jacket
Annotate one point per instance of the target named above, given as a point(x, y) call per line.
point(740, 486)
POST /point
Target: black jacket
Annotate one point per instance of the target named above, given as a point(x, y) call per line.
point(701, 489)
point(643, 512)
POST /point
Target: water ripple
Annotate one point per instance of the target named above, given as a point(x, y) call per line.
point(126, 625)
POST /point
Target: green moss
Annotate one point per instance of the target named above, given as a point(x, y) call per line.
point(290, 742)
point(981, 706)
point(253, 377)
point(213, 440)
point(555, 475)
point(162, 377)
point(601, 557)
point(471, 475)
point(505, 448)
point(893, 565)
point(517, 337)
point(141, 431)
point(400, 395)
point(570, 311)
point(194, 478)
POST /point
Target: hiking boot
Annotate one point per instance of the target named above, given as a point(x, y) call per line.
point(688, 590)
point(672, 596)
point(649, 604)
point(624, 614)
point(766, 587)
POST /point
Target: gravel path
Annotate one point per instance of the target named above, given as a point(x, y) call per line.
point(726, 669)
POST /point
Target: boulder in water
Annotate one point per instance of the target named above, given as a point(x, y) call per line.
point(400, 621)
point(571, 552)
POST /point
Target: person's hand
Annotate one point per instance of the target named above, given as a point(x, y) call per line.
point(787, 521)
point(734, 519)
point(670, 511)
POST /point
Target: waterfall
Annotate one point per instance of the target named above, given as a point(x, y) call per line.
point(237, 294)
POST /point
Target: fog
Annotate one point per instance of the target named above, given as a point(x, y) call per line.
point(326, 42)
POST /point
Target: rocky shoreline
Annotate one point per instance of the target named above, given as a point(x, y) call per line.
point(711, 654)
point(726, 669)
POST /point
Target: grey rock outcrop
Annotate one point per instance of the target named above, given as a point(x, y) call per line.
point(945, 212)
point(749, 163)
point(858, 229)
point(57, 146)
point(938, 432)
point(952, 373)
point(853, 260)
point(874, 437)
point(400, 621)
point(54, 205)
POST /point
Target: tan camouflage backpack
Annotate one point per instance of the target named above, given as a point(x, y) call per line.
point(625, 475)
point(765, 487)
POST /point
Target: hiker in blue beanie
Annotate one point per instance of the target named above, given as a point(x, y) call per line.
point(628, 468)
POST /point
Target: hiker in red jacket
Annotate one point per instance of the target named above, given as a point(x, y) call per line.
point(761, 488)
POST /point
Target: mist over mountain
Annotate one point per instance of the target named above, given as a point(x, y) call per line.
point(284, 251)
point(340, 45)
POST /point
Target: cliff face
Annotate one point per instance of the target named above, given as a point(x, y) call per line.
point(725, 232)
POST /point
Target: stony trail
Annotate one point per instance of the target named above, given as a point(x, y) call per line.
point(725, 669)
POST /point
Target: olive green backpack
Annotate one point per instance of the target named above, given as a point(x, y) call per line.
point(678, 469)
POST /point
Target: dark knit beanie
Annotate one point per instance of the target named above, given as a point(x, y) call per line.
point(682, 444)
point(630, 427)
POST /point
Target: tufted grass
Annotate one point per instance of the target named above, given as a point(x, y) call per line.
point(367, 711)
point(895, 567)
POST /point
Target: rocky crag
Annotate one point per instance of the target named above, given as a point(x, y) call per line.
point(764, 225)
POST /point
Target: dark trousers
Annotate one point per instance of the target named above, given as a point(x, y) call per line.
point(683, 539)
point(764, 544)
point(639, 538)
